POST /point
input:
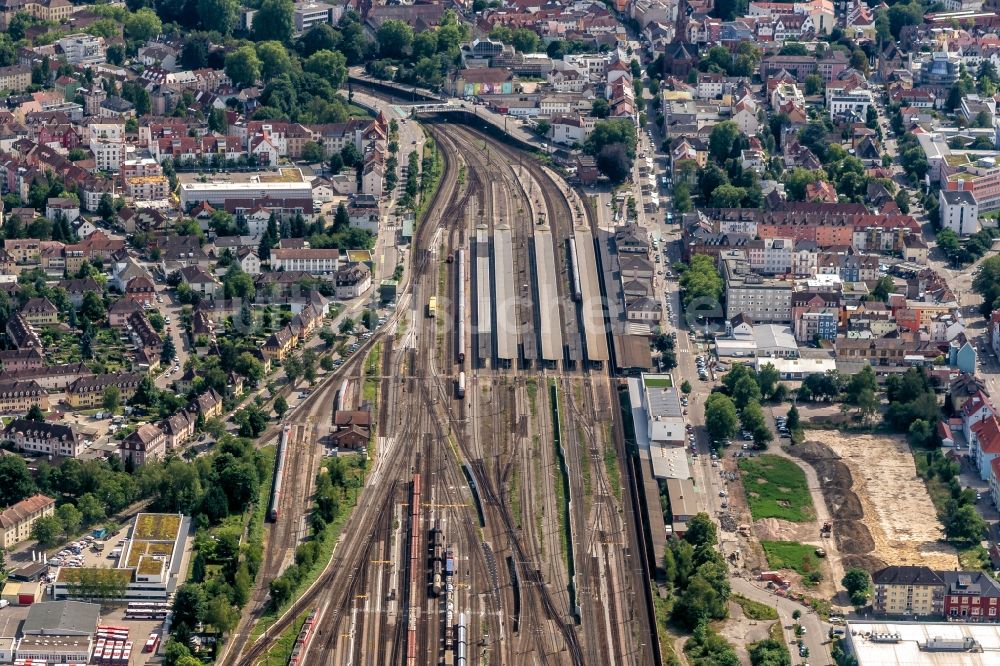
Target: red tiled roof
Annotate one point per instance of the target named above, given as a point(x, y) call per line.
point(987, 432)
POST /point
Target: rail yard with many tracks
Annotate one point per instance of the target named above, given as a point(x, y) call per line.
point(497, 522)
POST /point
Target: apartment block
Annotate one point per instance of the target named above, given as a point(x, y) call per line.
point(764, 300)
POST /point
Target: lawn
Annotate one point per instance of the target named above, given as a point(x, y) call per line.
point(791, 555)
point(974, 558)
point(776, 488)
point(755, 610)
point(658, 382)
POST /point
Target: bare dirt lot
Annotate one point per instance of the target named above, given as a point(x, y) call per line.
point(882, 512)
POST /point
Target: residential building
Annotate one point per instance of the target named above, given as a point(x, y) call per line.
point(50, 377)
point(853, 104)
point(200, 280)
point(21, 334)
point(908, 591)
point(971, 596)
point(352, 280)
point(88, 392)
point(43, 437)
point(315, 262)
point(15, 78)
point(984, 446)
point(18, 396)
point(17, 360)
point(147, 443)
point(178, 428)
point(82, 49)
point(959, 211)
point(40, 312)
point(16, 521)
point(763, 299)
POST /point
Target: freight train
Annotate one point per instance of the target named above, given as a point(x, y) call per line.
point(437, 563)
point(416, 569)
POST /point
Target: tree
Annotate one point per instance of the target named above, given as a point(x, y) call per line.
point(607, 132)
point(746, 391)
point(722, 139)
point(868, 404)
point(218, 15)
point(330, 65)
point(168, 352)
point(336, 163)
point(813, 84)
point(194, 52)
point(613, 162)
point(394, 39)
point(280, 406)
point(221, 614)
point(901, 15)
point(965, 524)
point(525, 40)
point(35, 414)
point(600, 108)
point(341, 219)
point(90, 508)
point(701, 531)
point(320, 37)
point(273, 21)
point(753, 421)
point(793, 419)
point(721, 420)
point(15, 480)
point(313, 152)
point(767, 379)
point(686, 387)
point(142, 25)
point(112, 398)
point(346, 326)
point(189, 605)
point(858, 584)
point(47, 530)
point(274, 59)
point(728, 196)
point(797, 179)
point(885, 286)
point(243, 66)
point(902, 200)
point(70, 517)
point(701, 280)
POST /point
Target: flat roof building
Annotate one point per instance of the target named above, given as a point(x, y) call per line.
point(148, 569)
point(764, 300)
point(923, 643)
point(218, 193)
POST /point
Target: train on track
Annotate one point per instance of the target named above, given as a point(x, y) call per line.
point(338, 398)
point(461, 658)
point(574, 271)
point(279, 471)
point(301, 645)
point(416, 569)
point(460, 386)
point(460, 298)
point(437, 561)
